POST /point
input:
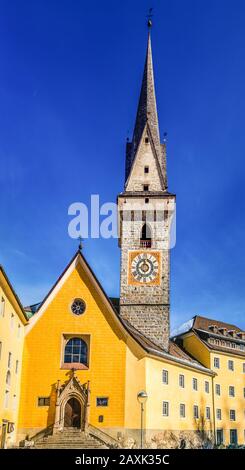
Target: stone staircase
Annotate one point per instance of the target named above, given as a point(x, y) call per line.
point(70, 438)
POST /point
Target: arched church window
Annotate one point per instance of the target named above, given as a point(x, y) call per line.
point(76, 351)
point(8, 378)
point(145, 239)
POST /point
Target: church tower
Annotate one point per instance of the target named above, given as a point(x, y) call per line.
point(145, 210)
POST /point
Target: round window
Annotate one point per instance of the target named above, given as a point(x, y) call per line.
point(78, 306)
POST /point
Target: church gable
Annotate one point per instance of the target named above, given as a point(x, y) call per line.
point(145, 169)
point(77, 301)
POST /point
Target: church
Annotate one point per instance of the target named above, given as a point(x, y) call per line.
point(82, 370)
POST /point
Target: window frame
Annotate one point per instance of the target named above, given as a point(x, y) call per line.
point(208, 413)
point(231, 363)
point(74, 365)
point(206, 386)
point(231, 395)
point(195, 408)
point(181, 381)
point(165, 403)
point(194, 381)
point(216, 362)
point(182, 407)
point(43, 401)
point(218, 386)
point(232, 415)
point(165, 371)
point(102, 398)
point(218, 414)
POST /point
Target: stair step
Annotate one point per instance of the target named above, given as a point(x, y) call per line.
point(69, 439)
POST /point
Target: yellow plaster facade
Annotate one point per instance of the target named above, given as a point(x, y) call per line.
point(182, 393)
point(12, 323)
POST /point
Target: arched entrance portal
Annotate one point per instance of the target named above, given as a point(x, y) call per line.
point(72, 417)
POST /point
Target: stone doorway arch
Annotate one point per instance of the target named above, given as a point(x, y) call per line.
point(71, 405)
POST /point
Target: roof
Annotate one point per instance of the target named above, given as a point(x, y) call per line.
point(176, 352)
point(203, 323)
point(147, 116)
point(206, 328)
point(19, 304)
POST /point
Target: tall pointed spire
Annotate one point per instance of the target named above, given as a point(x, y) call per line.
point(147, 108)
point(147, 116)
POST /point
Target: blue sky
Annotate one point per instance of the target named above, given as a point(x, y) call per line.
point(69, 84)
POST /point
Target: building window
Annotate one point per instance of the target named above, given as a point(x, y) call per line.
point(182, 381)
point(147, 140)
point(165, 377)
point(14, 402)
point(2, 307)
point(6, 399)
point(18, 331)
point(165, 408)
point(43, 401)
point(102, 401)
point(220, 437)
point(218, 414)
point(232, 415)
point(231, 365)
point(1, 345)
point(9, 359)
point(207, 412)
point(16, 367)
point(76, 351)
point(12, 321)
point(78, 307)
point(8, 378)
point(243, 367)
point(194, 384)
point(217, 389)
point(216, 362)
point(146, 169)
point(231, 391)
point(146, 187)
point(182, 410)
point(196, 412)
point(146, 200)
point(206, 386)
point(233, 436)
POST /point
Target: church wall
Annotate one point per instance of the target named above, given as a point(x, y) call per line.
point(43, 357)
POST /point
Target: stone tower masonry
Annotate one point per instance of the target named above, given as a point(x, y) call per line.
point(144, 209)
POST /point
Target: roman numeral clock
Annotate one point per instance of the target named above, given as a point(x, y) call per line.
point(144, 268)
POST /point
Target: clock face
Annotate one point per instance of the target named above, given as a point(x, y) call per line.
point(144, 268)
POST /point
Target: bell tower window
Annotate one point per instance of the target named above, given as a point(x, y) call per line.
point(146, 169)
point(146, 187)
point(145, 239)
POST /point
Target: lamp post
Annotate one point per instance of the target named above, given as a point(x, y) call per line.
point(142, 397)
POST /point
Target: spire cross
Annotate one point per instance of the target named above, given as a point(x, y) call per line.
point(80, 247)
point(149, 17)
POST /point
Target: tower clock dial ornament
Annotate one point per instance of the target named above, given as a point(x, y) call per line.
point(144, 268)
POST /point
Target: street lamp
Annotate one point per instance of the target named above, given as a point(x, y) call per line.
point(142, 397)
